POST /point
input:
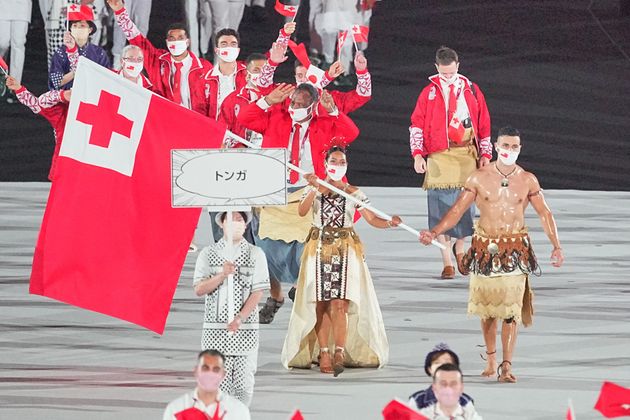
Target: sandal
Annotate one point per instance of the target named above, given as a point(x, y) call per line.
point(325, 364)
point(338, 366)
point(268, 311)
point(505, 377)
point(488, 372)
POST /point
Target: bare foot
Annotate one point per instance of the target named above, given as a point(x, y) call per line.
point(491, 368)
point(505, 373)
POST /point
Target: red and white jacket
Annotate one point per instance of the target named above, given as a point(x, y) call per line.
point(158, 62)
point(52, 106)
point(232, 106)
point(212, 88)
point(429, 128)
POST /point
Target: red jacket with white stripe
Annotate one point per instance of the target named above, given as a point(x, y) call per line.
point(157, 63)
point(429, 128)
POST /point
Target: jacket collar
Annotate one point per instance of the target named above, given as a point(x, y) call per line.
point(196, 62)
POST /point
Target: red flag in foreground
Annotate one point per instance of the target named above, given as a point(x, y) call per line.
point(297, 415)
point(614, 400)
point(4, 66)
point(285, 9)
point(396, 410)
point(341, 40)
point(192, 414)
point(570, 412)
point(110, 241)
point(360, 33)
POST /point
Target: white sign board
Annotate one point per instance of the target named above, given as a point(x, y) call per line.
point(229, 178)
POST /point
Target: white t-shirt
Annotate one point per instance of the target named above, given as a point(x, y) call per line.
point(228, 405)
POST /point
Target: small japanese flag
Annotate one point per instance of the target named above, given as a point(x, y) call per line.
point(360, 33)
point(315, 76)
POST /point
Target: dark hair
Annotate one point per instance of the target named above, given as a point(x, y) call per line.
point(255, 57)
point(242, 213)
point(445, 56)
point(508, 131)
point(297, 63)
point(432, 356)
point(226, 32)
point(211, 352)
point(335, 149)
point(448, 367)
point(310, 89)
point(90, 23)
point(178, 25)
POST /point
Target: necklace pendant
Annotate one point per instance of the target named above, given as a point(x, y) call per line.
point(504, 182)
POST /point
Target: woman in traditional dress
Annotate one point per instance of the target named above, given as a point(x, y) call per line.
point(335, 304)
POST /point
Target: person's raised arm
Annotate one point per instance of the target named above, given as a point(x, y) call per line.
point(547, 220)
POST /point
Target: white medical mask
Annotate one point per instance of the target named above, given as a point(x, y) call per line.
point(229, 54)
point(447, 397)
point(80, 34)
point(450, 81)
point(177, 47)
point(238, 229)
point(299, 114)
point(254, 78)
point(132, 69)
point(507, 157)
point(336, 172)
point(209, 381)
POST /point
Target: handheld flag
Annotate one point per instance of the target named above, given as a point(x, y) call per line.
point(613, 401)
point(360, 33)
point(285, 9)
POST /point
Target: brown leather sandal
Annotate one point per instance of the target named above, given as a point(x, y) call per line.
point(325, 362)
point(504, 377)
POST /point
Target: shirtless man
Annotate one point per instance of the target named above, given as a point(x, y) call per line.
point(500, 258)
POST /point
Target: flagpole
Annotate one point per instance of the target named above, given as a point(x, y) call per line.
point(354, 41)
point(297, 8)
point(342, 193)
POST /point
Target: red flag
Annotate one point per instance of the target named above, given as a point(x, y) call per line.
point(3, 65)
point(191, 414)
point(613, 401)
point(341, 39)
point(297, 415)
point(570, 413)
point(110, 240)
point(285, 9)
point(299, 50)
point(360, 33)
point(396, 410)
point(76, 12)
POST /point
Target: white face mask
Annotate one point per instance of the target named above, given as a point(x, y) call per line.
point(507, 157)
point(80, 34)
point(253, 78)
point(132, 69)
point(299, 114)
point(238, 229)
point(177, 47)
point(229, 54)
point(450, 81)
point(336, 172)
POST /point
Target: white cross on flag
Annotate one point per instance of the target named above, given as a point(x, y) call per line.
point(110, 240)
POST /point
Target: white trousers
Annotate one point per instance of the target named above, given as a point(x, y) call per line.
point(13, 37)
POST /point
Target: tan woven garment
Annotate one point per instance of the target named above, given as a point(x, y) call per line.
point(283, 222)
point(450, 168)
